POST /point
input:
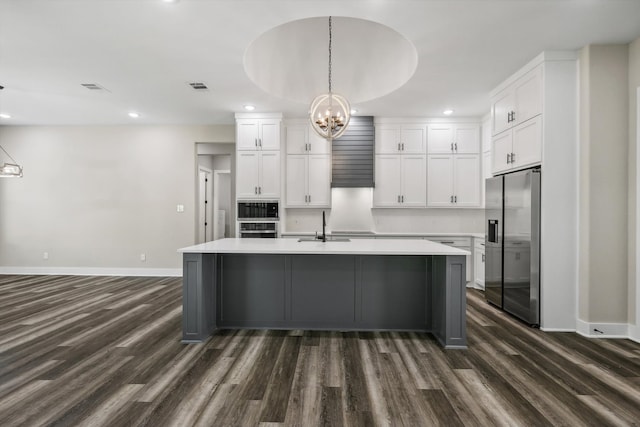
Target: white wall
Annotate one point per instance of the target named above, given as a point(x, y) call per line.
point(96, 197)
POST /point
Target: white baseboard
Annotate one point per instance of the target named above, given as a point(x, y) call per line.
point(603, 330)
point(92, 271)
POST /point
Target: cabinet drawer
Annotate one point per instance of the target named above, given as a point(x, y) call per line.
point(478, 243)
point(456, 242)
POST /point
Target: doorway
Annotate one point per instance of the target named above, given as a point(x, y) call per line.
point(214, 207)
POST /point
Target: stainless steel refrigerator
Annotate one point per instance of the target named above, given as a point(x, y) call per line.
point(512, 244)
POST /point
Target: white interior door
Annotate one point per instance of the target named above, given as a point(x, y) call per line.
point(205, 205)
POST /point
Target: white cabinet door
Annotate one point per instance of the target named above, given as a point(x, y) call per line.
point(317, 144)
point(527, 143)
point(319, 180)
point(466, 139)
point(387, 139)
point(247, 132)
point(414, 181)
point(387, 190)
point(297, 139)
point(528, 96)
point(440, 180)
point(412, 139)
point(440, 139)
point(269, 137)
point(269, 175)
point(296, 179)
point(466, 169)
point(501, 152)
point(501, 107)
point(248, 174)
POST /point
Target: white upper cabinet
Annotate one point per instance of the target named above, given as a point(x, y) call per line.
point(258, 175)
point(518, 102)
point(400, 180)
point(308, 180)
point(453, 138)
point(301, 139)
point(518, 148)
point(400, 139)
point(453, 180)
point(258, 134)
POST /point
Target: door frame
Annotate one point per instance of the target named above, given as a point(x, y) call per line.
point(216, 185)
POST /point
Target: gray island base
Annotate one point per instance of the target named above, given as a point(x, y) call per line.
point(363, 285)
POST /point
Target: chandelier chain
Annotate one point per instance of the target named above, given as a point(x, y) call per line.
point(329, 54)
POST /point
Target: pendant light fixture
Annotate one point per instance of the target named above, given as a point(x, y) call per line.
point(329, 112)
point(10, 170)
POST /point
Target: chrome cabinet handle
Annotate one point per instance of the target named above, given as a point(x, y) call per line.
point(255, 190)
point(309, 198)
point(513, 157)
point(398, 198)
point(508, 158)
point(482, 257)
point(259, 190)
point(402, 199)
point(255, 141)
point(398, 146)
point(452, 147)
point(451, 199)
point(403, 146)
point(455, 199)
point(456, 145)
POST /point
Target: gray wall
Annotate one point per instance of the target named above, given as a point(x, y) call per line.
point(99, 196)
point(604, 141)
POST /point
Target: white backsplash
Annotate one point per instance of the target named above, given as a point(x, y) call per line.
point(352, 211)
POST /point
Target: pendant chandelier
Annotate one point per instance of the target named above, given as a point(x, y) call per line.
point(10, 170)
point(329, 112)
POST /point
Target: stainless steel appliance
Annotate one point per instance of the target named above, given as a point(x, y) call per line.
point(512, 244)
point(258, 219)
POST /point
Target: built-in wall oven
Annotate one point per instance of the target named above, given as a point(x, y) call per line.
point(258, 219)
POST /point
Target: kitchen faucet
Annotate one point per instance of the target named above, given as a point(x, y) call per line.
point(323, 237)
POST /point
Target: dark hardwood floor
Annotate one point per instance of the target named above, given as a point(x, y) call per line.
point(106, 351)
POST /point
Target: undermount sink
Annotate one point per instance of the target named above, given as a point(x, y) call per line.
point(329, 239)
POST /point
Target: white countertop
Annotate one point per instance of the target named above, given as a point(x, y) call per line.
point(354, 247)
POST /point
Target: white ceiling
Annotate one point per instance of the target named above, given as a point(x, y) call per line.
point(144, 52)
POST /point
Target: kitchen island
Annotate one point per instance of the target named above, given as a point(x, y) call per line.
point(367, 284)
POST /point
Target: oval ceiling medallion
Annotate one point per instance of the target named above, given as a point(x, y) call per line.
point(369, 60)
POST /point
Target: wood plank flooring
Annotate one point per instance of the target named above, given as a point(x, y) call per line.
point(106, 351)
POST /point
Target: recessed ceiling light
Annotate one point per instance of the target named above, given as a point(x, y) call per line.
point(134, 115)
point(354, 111)
point(249, 107)
point(4, 116)
point(169, 1)
point(447, 112)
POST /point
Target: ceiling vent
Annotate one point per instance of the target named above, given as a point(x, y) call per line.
point(198, 86)
point(93, 86)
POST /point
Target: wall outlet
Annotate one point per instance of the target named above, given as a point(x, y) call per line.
point(45, 255)
point(143, 257)
point(180, 208)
